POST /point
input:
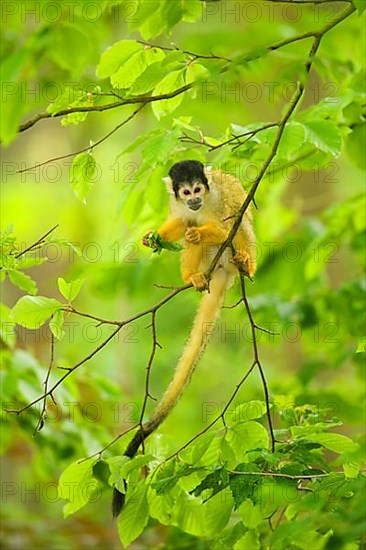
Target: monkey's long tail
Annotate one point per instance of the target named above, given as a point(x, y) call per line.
point(207, 314)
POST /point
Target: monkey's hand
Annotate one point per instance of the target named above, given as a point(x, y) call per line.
point(193, 235)
point(153, 240)
point(199, 282)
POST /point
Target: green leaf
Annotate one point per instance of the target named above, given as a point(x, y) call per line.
point(292, 140)
point(33, 311)
point(356, 145)
point(11, 93)
point(218, 511)
point(115, 464)
point(136, 462)
point(194, 452)
point(23, 281)
point(78, 486)
point(250, 514)
point(351, 469)
point(134, 67)
point(7, 332)
point(325, 135)
point(115, 56)
point(246, 436)
point(150, 77)
point(360, 5)
point(56, 324)
point(335, 442)
point(170, 83)
point(70, 47)
point(146, 10)
point(244, 486)
point(361, 347)
point(196, 72)
point(249, 411)
point(215, 482)
point(134, 516)
point(70, 290)
point(249, 540)
point(81, 175)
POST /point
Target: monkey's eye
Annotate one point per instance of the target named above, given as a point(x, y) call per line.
point(186, 192)
point(197, 189)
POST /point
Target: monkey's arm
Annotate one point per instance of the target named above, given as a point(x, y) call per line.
point(209, 233)
point(172, 230)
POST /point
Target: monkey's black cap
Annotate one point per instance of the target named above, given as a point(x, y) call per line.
point(187, 171)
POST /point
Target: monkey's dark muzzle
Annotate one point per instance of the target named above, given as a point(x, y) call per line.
point(194, 204)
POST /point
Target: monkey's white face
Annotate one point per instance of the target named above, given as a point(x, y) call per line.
point(192, 195)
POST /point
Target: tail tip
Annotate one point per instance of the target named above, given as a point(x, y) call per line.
point(118, 501)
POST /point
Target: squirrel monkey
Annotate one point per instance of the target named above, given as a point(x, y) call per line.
point(203, 205)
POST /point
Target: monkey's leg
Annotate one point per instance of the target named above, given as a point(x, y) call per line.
point(244, 244)
point(172, 230)
point(191, 265)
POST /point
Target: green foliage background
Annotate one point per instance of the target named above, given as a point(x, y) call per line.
point(309, 286)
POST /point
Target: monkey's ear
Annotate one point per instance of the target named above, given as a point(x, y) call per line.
point(169, 185)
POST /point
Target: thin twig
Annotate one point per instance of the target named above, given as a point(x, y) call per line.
point(37, 243)
point(42, 416)
point(256, 357)
point(114, 440)
point(250, 133)
point(281, 127)
point(100, 108)
point(70, 370)
point(147, 395)
point(279, 474)
point(70, 309)
point(35, 246)
point(177, 49)
point(149, 98)
point(221, 416)
point(89, 147)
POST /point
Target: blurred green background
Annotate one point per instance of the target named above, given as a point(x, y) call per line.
point(309, 286)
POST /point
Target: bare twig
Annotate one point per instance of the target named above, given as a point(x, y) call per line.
point(257, 362)
point(281, 128)
point(37, 243)
point(35, 246)
point(70, 370)
point(279, 474)
point(235, 138)
point(177, 49)
point(147, 395)
point(42, 416)
point(221, 416)
point(89, 147)
point(100, 108)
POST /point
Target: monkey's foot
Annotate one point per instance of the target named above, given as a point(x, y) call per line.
point(242, 262)
point(193, 235)
point(199, 282)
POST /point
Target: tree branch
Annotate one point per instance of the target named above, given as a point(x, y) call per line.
point(100, 108)
point(120, 324)
point(281, 128)
point(257, 362)
point(89, 147)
